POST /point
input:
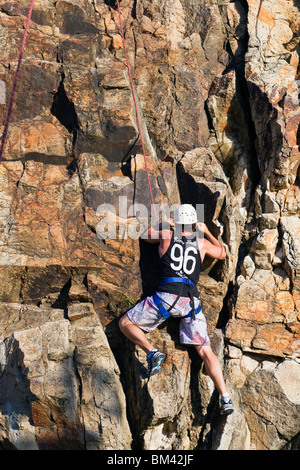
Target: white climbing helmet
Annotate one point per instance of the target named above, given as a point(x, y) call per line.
point(185, 215)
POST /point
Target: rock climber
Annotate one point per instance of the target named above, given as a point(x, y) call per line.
point(183, 244)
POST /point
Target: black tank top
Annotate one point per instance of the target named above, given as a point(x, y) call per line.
point(182, 259)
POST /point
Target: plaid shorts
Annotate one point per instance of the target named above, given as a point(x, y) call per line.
point(148, 317)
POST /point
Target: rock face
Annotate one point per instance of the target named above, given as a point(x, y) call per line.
point(217, 84)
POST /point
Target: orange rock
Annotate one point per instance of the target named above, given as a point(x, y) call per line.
point(275, 340)
point(41, 414)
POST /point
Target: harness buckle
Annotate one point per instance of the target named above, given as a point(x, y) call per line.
point(165, 312)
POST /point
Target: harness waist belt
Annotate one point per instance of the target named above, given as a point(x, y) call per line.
point(165, 312)
point(169, 280)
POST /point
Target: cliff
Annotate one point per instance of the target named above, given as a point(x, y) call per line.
point(217, 84)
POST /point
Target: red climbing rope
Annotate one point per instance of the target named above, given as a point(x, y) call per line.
point(136, 108)
point(13, 92)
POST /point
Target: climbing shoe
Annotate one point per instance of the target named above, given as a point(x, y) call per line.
point(155, 359)
point(226, 405)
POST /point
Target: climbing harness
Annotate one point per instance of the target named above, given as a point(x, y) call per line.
point(183, 280)
point(17, 74)
point(136, 107)
point(166, 312)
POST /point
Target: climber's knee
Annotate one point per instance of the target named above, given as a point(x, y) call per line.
point(205, 352)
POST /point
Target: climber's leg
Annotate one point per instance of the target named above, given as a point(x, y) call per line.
point(134, 334)
point(214, 370)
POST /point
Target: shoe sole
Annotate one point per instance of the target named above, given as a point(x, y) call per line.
point(227, 412)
